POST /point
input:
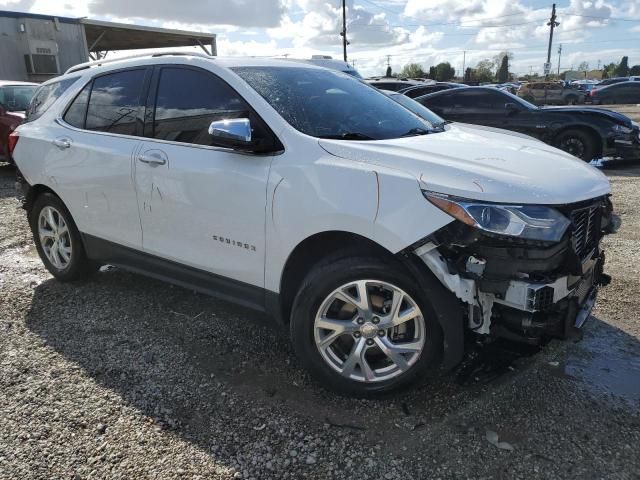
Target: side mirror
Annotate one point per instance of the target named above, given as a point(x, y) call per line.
point(233, 132)
point(511, 108)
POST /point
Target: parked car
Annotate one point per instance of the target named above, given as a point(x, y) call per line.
point(393, 84)
point(621, 93)
point(14, 98)
point(613, 81)
point(331, 63)
point(380, 242)
point(435, 122)
point(550, 93)
point(586, 133)
point(427, 88)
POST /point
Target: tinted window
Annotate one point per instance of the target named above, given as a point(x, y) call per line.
point(114, 103)
point(395, 86)
point(16, 98)
point(77, 111)
point(46, 96)
point(437, 101)
point(417, 108)
point(478, 99)
point(327, 104)
point(189, 100)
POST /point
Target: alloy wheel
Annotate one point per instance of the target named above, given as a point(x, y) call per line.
point(55, 238)
point(369, 331)
point(574, 146)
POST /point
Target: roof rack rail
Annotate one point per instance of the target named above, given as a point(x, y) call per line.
point(83, 66)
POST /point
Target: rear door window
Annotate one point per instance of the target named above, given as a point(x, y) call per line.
point(115, 103)
point(77, 111)
point(46, 96)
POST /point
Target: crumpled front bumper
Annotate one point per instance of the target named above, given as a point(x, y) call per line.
point(625, 146)
point(524, 309)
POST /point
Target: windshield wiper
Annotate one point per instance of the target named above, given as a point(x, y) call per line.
point(416, 131)
point(348, 136)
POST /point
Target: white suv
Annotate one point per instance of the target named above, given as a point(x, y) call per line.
point(380, 239)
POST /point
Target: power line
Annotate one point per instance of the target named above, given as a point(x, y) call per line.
point(618, 19)
point(444, 24)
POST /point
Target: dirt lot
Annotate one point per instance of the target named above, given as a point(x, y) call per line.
point(126, 377)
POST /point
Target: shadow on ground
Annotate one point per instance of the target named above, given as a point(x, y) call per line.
point(164, 349)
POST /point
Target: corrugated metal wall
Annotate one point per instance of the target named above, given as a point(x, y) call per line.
point(15, 44)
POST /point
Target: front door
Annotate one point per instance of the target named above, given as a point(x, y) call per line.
point(200, 205)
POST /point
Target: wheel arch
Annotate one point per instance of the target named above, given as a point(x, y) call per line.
point(311, 251)
point(34, 191)
point(320, 246)
point(586, 129)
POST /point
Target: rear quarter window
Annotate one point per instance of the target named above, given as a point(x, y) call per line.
point(46, 96)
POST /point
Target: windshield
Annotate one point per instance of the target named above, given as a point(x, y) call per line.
point(417, 108)
point(520, 100)
point(16, 98)
point(329, 104)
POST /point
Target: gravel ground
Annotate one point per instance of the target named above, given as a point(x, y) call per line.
point(126, 377)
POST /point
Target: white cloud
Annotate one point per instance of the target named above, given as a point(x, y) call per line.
point(248, 13)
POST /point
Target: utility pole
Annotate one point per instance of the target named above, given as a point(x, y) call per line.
point(464, 60)
point(553, 24)
point(559, 55)
point(344, 30)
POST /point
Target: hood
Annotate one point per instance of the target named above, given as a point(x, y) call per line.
point(482, 164)
point(601, 112)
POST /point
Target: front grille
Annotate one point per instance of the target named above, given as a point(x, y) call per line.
point(586, 226)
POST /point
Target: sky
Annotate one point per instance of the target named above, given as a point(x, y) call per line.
point(420, 31)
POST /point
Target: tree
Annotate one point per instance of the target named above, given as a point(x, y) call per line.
point(444, 71)
point(498, 59)
point(622, 70)
point(635, 70)
point(413, 70)
point(608, 70)
point(388, 73)
point(503, 72)
point(583, 67)
point(469, 75)
point(432, 73)
point(483, 71)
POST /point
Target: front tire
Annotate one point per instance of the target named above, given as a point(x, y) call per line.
point(57, 239)
point(361, 327)
point(578, 143)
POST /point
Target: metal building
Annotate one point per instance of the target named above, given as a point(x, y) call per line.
point(37, 47)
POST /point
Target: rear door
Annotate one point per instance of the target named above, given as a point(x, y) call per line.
point(93, 155)
point(538, 93)
point(553, 93)
point(201, 205)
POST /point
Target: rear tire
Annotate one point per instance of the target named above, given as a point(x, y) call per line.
point(571, 100)
point(349, 357)
point(578, 143)
point(58, 240)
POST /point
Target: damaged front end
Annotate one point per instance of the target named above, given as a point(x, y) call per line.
point(525, 287)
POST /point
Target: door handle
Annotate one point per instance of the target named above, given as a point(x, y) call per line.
point(152, 159)
point(62, 143)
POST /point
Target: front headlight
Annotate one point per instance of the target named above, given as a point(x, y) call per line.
point(530, 222)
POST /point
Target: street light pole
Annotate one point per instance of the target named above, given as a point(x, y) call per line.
point(559, 55)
